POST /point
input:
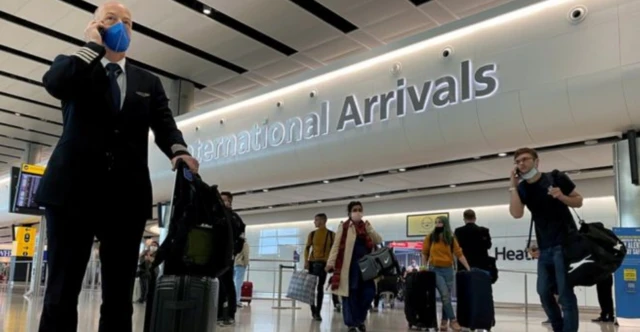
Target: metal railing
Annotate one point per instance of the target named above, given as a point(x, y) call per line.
point(277, 274)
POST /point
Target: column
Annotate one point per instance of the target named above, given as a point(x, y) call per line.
point(627, 193)
point(181, 97)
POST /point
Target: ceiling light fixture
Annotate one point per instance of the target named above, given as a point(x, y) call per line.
point(591, 142)
point(452, 185)
point(326, 181)
point(402, 169)
point(382, 58)
point(377, 196)
point(319, 201)
point(502, 154)
point(206, 10)
point(265, 190)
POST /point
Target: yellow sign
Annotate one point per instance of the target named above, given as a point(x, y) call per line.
point(630, 275)
point(33, 169)
point(26, 241)
point(422, 224)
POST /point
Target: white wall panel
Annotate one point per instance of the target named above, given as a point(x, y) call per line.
point(548, 70)
point(631, 85)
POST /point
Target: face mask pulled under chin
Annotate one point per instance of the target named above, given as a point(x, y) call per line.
point(439, 230)
point(530, 174)
point(116, 38)
point(356, 216)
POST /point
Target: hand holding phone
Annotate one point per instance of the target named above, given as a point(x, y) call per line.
point(515, 175)
point(93, 32)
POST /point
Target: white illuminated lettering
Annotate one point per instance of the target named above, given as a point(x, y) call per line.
point(439, 92)
point(276, 134)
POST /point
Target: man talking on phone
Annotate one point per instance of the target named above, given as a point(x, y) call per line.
point(548, 197)
point(97, 182)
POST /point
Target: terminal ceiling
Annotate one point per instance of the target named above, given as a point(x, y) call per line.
point(236, 47)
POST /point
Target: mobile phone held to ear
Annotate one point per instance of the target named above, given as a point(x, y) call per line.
point(518, 172)
point(101, 31)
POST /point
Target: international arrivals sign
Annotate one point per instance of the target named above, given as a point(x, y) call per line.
point(421, 97)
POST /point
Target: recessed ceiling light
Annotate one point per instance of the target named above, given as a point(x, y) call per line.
point(319, 201)
point(17, 114)
point(265, 190)
point(452, 185)
point(502, 154)
point(476, 157)
point(271, 207)
point(402, 169)
point(591, 142)
point(326, 181)
point(377, 196)
point(206, 10)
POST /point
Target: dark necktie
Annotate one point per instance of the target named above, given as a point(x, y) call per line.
point(113, 71)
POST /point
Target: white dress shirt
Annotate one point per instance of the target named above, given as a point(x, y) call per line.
point(122, 78)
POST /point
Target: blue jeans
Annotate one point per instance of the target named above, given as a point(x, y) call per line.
point(552, 276)
point(444, 284)
point(239, 279)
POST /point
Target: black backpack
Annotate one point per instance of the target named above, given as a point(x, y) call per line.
point(199, 240)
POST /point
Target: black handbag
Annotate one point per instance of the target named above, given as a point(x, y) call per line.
point(380, 262)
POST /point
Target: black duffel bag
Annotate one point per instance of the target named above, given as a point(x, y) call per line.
point(592, 254)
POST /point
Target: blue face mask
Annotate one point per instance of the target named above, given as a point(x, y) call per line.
point(116, 38)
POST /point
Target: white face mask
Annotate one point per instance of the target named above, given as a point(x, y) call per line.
point(356, 216)
point(530, 174)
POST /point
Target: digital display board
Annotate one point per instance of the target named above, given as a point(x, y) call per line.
point(25, 190)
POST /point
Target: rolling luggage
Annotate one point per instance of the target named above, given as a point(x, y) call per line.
point(185, 304)
point(420, 300)
point(246, 292)
point(475, 309)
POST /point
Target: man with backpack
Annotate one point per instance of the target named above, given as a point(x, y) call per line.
point(548, 197)
point(316, 253)
point(228, 301)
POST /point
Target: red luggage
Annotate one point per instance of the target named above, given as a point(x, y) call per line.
point(246, 292)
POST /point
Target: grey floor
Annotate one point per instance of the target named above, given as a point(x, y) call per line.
point(20, 315)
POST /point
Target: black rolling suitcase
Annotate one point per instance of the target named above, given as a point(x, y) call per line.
point(420, 300)
point(195, 253)
point(185, 304)
point(475, 309)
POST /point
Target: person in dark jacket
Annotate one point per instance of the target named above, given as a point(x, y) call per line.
point(108, 106)
point(474, 240)
point(228, 299)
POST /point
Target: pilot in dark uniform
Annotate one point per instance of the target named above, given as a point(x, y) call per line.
point(97, 182)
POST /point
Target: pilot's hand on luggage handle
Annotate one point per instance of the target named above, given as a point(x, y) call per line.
point(191, 162)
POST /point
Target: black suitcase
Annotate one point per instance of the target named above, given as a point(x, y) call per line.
point(420, 300)
point(184, 304)
point(475, 300)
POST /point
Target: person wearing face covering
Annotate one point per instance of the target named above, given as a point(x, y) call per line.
point(438, 251)
point(548, 196)
point(355, 238)
point(108, 108)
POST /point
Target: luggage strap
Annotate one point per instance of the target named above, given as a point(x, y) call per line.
point(180, 305)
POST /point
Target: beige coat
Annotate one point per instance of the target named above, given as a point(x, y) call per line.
point(350, 242)
point(242, 258)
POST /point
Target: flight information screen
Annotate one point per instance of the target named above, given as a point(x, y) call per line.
point(27, 187)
